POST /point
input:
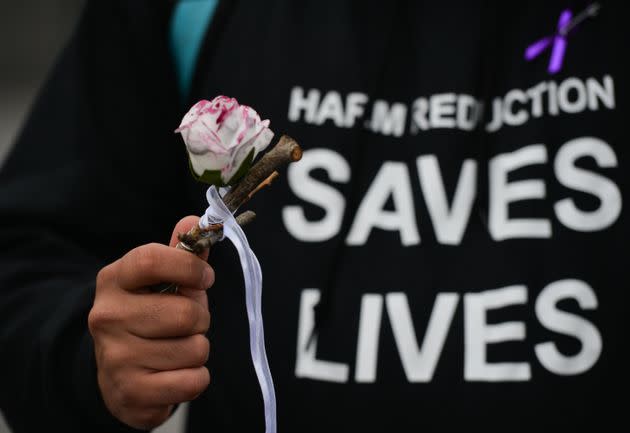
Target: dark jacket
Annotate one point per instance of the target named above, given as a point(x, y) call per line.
point(453, 237)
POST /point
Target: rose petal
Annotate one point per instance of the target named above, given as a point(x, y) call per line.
point(220, 134)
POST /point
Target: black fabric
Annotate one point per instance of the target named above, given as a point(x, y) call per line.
point(474, 48)
point(69, 204)
point(96, 172)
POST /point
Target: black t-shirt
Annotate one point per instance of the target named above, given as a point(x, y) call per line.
point(453, 236)
point(458, 208)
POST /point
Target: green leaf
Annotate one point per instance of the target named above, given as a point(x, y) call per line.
point(244, 168)
point(211, 177)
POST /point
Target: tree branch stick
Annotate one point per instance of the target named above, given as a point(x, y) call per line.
point(261, 174)
point(198, 244)
point(264, 183)
point(285, 151)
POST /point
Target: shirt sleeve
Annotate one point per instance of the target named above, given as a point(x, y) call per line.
point(89, 177)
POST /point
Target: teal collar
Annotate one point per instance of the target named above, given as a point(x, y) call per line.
point(189, 23)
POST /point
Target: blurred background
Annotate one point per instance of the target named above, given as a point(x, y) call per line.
point(32, 32)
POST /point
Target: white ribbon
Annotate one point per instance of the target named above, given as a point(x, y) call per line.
point(218, 213)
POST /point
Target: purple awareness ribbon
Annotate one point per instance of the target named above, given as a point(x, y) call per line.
point(558, 40)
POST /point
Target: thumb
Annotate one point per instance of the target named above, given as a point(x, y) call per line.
point(183, 226)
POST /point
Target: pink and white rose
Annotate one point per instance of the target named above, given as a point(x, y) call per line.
point(222, 138)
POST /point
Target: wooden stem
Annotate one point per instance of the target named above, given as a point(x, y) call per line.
point(198, 244)
point(264, 183)
point(261, 174)
point(206, 242)
point(285, 151)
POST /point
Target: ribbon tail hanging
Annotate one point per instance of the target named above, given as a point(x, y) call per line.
point(252, 273)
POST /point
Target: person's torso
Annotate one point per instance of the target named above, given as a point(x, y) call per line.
point(458, 207)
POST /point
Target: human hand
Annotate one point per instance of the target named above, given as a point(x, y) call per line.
point(150, 347)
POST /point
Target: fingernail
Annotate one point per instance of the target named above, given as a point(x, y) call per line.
point(209, 276)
